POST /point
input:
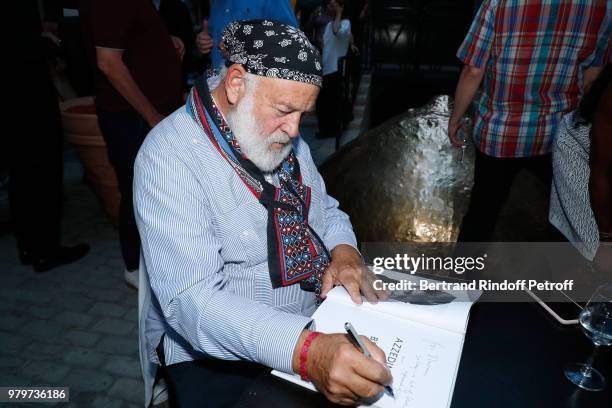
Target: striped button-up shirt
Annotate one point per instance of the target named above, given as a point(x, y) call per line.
point(534, 53)
point(204, 246)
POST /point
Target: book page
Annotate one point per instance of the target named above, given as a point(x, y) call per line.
point(423, 359)
point(451, 316)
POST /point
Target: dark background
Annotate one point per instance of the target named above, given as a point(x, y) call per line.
point(413, 45)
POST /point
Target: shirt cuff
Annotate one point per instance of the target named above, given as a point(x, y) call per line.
point(341, 238)
point(278, 339)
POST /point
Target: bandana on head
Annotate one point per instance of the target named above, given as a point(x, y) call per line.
point(295, 252)
point(273, 49)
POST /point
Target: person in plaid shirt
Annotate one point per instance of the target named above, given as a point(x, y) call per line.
point(530, 60)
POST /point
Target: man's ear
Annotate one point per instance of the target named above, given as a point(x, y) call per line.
point(235, 85)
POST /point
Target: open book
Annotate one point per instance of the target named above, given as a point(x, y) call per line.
point(422, 343)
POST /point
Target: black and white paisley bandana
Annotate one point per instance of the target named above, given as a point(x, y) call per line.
point(296, 253)
point(272, 49)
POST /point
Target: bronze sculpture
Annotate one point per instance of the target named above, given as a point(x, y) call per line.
point(403, 181)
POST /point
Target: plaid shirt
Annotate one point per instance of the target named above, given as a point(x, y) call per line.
point(534, 53)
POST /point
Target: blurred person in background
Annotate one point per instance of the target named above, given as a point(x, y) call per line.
point(531, 61)
point(336, 40)
point(319, 18)
point(581, 197)
point(138, 82)
point(306, 8)
point(358, 14)
point(224, 11)
point(34, 153)
point(61, 23)
point(177, 18)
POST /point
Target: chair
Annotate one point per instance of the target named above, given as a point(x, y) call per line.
point(148, 369)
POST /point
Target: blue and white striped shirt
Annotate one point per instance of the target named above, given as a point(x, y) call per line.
point(204, 246)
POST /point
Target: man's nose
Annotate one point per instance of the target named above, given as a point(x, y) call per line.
point(292, 124)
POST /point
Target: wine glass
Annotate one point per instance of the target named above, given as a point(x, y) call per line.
point(596, 323)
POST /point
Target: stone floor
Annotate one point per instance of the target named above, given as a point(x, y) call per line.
point(76, 326)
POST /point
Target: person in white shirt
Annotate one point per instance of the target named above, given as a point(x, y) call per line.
point(337, 38)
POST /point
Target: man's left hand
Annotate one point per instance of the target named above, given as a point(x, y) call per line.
point(347, 269)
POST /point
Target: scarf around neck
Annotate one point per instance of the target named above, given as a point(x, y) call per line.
point(296, 254)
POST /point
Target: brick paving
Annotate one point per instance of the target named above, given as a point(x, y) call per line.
point(76, 325)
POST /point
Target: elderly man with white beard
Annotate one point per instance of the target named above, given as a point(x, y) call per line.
point(239, 237)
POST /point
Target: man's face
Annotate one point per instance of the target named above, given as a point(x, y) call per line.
point(267, 118)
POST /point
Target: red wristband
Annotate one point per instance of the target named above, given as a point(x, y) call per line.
point(304, 355)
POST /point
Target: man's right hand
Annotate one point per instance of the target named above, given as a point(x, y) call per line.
point(204, 41)
point(341, 372)
point(453, 132)
point(110, 62)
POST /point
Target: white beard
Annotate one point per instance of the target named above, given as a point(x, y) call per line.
point(255, 145)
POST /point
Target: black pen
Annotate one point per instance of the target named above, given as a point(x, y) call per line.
point(354, 336)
